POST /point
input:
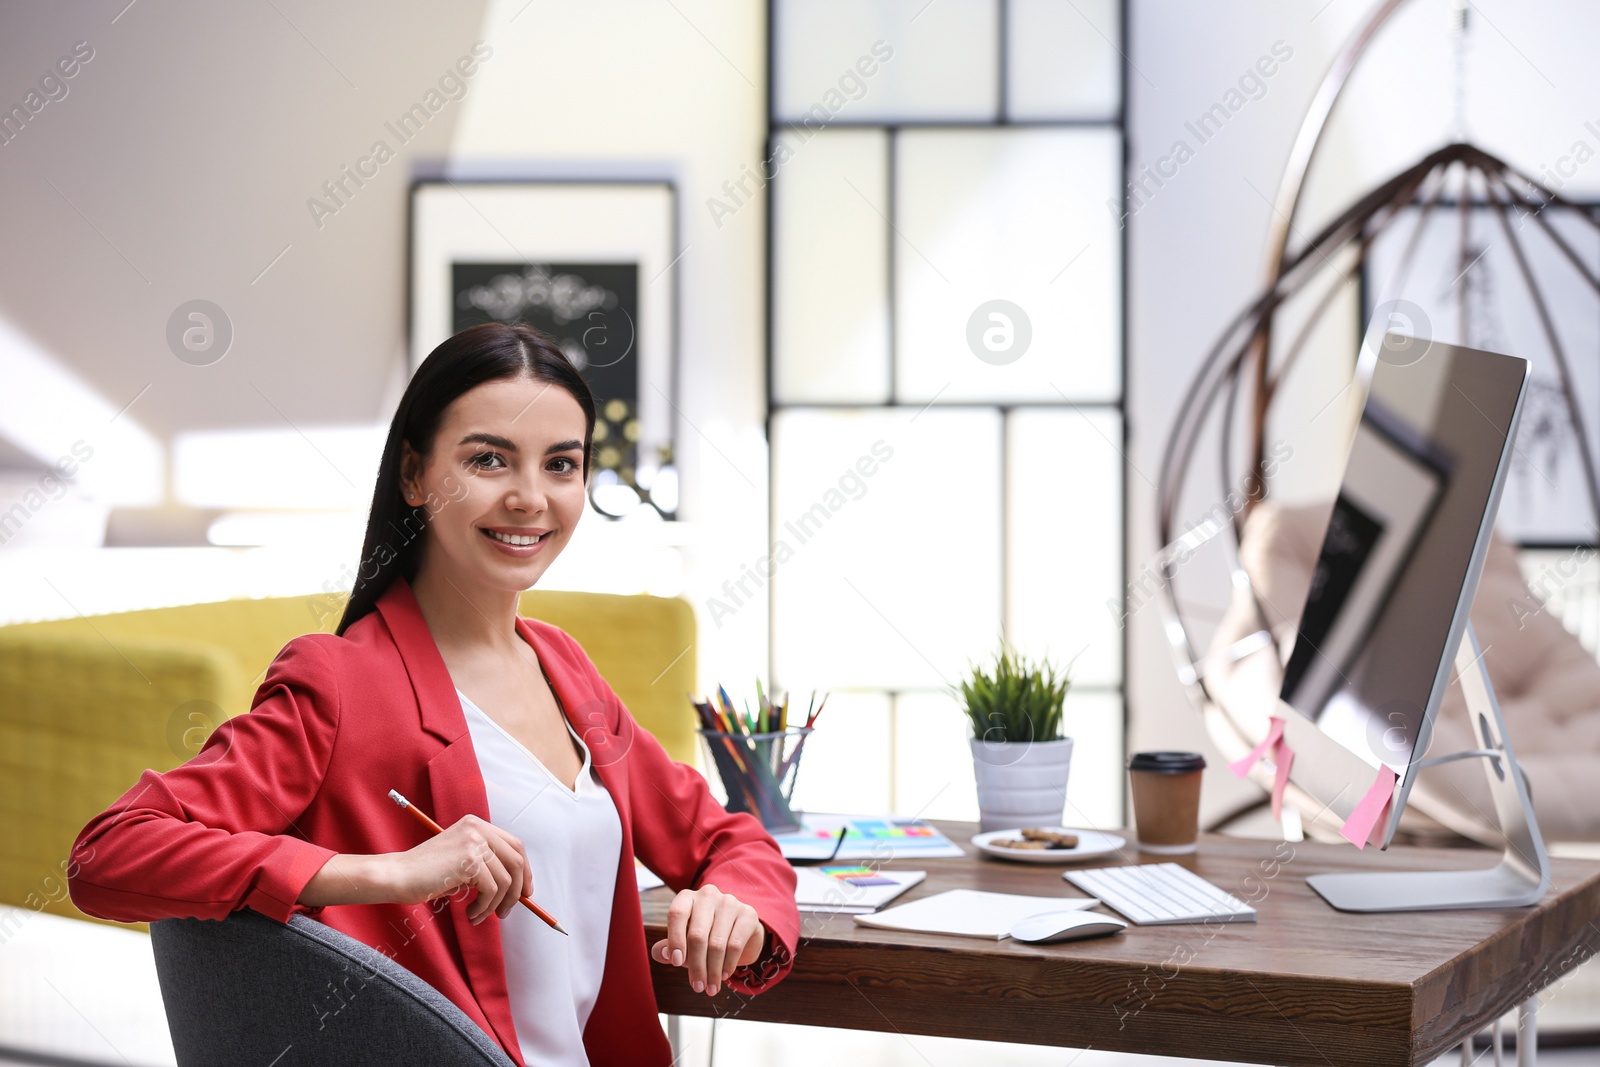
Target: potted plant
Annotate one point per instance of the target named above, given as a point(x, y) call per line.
point(1019, 756)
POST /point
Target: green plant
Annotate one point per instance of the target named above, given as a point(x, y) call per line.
point(1016, 701)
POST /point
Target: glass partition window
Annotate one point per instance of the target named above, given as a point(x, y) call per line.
point(843, 769)
point(890, 519)
point(1064, 60)
point(945, 381)
point(1016, 214)
point(1063, 509)
point(830, 256)
point(885, 61)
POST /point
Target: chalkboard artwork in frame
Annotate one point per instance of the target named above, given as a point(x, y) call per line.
point(590, 309)
point(591, 264)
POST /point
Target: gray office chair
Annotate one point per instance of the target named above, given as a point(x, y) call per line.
point(249, 989)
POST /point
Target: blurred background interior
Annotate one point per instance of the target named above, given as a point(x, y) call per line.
point(772, 235)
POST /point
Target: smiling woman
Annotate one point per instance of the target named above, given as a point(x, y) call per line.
point(499, 726)
point(453, 446)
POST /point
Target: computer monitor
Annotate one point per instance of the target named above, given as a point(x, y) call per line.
point(1388, 604)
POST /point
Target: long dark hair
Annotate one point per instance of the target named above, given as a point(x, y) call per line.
point(489, 352)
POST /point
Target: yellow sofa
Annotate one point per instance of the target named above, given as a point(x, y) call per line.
point(86, 704)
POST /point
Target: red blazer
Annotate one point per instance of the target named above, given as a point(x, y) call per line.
point(305, 774)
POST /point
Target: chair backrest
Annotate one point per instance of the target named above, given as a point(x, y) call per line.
point(249, 989)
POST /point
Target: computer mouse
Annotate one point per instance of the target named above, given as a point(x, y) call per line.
point(1066, 926)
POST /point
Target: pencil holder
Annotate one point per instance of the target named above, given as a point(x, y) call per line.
point(759, 771)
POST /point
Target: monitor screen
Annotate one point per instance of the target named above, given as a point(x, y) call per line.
point(1400, 559)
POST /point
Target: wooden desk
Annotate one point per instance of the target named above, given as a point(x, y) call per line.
point(1305, 985)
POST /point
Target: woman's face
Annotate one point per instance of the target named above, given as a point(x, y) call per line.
point(507, 463)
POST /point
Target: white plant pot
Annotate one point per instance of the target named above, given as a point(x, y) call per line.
point(1021, 783)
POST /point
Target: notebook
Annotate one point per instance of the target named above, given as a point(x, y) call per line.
point(849, 890)
point(970, 912)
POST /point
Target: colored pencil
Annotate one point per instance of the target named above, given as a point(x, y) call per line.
point(813, 716)
point(719, 725)
point(755, 737)
point(416, 812)
point(711, 720)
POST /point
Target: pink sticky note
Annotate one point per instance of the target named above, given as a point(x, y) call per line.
point(1283, 756)
point(1241, 767)
point(1376, 837)
point(1367, 821)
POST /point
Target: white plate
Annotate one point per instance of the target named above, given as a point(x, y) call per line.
point(1090, 843)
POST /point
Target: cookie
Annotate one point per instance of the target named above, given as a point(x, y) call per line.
point(1019, 843)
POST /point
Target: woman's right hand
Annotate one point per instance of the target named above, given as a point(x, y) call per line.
point(471, 852)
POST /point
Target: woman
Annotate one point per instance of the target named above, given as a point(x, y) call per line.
point(497, 726)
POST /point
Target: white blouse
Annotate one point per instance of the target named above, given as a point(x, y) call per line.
point(573, 838)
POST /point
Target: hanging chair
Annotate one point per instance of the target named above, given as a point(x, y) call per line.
point(1548, 684)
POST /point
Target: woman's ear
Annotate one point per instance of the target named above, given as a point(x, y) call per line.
point(410, 470)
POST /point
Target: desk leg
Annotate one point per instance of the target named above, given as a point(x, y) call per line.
point(1527, 1033)
point(675, 1038)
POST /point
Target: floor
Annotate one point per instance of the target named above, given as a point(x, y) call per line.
point(797, 1046)
point(80, 994)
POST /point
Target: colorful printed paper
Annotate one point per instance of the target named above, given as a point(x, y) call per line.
point(866, 838)
point(862, 876)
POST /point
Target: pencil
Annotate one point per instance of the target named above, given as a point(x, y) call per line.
point(718, 724)
point(436, 828)
point(725, 728)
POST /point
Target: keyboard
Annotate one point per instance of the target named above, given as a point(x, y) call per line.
point(1154, 893)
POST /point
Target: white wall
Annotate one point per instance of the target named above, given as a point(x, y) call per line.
point(179, 166)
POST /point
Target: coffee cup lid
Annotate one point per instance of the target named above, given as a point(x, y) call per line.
point(1167, 762)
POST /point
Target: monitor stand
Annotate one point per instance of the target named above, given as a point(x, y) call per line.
point(1523, 873)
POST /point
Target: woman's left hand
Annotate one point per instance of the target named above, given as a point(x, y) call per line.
point(711, 933)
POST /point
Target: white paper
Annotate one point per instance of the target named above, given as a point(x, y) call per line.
point(971, 912)
point(648, 879)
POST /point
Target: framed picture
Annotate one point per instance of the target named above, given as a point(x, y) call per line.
point(589, 264)
point(1464, 286)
